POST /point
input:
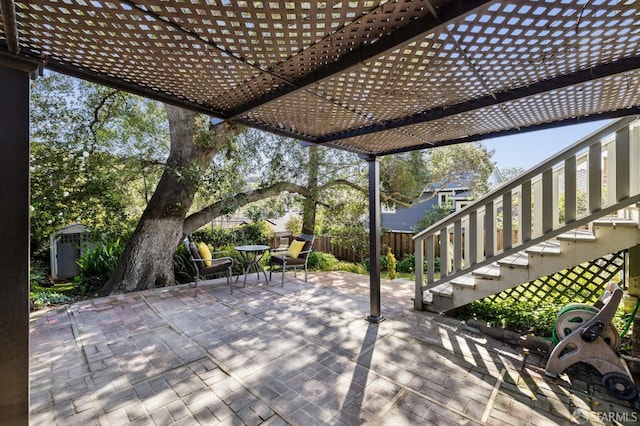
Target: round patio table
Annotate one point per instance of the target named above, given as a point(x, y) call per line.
point(252, 255)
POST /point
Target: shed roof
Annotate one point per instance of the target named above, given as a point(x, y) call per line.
point(370, 76)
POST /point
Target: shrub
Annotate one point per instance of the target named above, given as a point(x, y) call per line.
point(97, 265)
point(218, 238)
point(40, 300)
point(408, 264)
point(322, 261)
point(357, 268)
point(37, 273)
point(392, 274)
point(215, 236)
point(538, 318)
point(251, 233)
point(182, 266)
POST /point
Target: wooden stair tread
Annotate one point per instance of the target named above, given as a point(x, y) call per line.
point(465, 281)
point(615, 222)
point(577, 235)
point(545, 249)
point(517, 260)
point(489, 271)
point(445, 289)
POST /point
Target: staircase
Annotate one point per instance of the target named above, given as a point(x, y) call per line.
point(577, 206)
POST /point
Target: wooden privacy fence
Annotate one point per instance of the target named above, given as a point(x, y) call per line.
point(400, 244)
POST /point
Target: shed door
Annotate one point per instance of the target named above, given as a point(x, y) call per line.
point(68, 247)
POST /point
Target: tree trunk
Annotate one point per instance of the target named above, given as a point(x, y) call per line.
point(310, 203)
point(147, 261)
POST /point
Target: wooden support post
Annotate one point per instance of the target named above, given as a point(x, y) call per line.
point(14, 250)
point(374, 238)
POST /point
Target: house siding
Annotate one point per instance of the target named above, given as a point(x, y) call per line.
point(404, 219)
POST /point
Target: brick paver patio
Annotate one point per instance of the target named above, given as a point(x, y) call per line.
point(302, 354)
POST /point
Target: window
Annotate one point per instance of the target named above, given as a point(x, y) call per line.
point(445, 198)
point(389, 209)
point(462, 204)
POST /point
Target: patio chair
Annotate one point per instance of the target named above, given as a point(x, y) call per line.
point(295, 257)
point(206, 265)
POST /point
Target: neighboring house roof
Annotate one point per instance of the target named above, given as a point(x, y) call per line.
point(405, 219)
point(495, 178)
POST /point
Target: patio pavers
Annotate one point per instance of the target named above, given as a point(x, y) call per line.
point(299, 354)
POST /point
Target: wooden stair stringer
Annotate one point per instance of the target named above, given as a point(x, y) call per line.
point(543, 259)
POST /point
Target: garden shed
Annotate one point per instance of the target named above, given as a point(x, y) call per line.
point(68, 244)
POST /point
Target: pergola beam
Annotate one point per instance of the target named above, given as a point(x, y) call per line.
point(557, 83)
point(510, 132)
point(8, 11)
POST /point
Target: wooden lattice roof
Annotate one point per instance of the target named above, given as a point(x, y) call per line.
point(373, 76)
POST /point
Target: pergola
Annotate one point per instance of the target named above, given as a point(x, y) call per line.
point(373, 77)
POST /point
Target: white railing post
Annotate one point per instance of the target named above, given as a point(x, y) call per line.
point(431, 249)
point(634, 160)
point(444, 252)
point(457, 246)
point(537, 208)
point(419, 261)
point(622, 170)
point(490, 230)
point(547, 201)
point(507, 221)
point(473, 237)
point(570, 190)
point(555, 197)
point(595, 177)
point(525, 212)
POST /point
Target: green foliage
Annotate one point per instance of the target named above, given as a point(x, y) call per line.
point(294, 224)
point(581, 204)
point(97, 265)
point(433, 215)
point(96, 154)
point(322, 261)
point(217, 237)
point(404, 174)
point(408, 263)
point(347, 229)
point(214, 236)
point(252, 233)
point(510, 173)
point(182, 266)
point(42, 299)
point(468, 164)
point(531, 317)
point(37, 273)
point(392, 274)
point(356, 268)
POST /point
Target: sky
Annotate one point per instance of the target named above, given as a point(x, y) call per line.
point(530, 149)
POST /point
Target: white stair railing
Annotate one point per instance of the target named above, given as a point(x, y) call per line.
point(596, 176)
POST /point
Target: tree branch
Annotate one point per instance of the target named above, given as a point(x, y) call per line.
point(217, 209)
point(393, 197)
point(96, 113)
